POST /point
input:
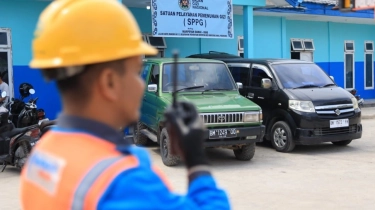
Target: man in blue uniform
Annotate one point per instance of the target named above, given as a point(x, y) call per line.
point(93, 49)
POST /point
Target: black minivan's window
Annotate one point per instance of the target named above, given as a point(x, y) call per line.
point(299, 75)
point(240, 74)
point(256, 77)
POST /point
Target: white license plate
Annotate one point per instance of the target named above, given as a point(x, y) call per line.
point(339, 123)
point(223, 133)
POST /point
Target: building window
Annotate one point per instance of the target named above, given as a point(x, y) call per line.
point(349, 46)
point(302, 49)
point(297, 45)
point(240, 45)
point(4, 39)
point(157, 42)
point(369, 65)
point(349, 64)
point(308, 44)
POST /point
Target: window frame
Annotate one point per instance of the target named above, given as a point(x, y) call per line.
point(239, 53)
point(312, 43)
point(144, 37)
point(347, 42)
point(148, 65)
point(9, 41)
point(369, 42)
point(261, 67)
point(239, 43)
point(164, 46)
point(241, 65)
point(297, 40)
point(152, 67)
point(365, 70)
point(349, 53)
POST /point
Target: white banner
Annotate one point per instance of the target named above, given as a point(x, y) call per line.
point(192, 18)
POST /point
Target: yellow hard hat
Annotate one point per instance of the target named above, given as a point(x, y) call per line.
point(79, 32)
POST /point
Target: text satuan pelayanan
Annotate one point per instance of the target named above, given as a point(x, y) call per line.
point(191, 14)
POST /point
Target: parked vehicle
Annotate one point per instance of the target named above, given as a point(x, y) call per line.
point(26, 114)
point(358, 97)
point(301, 104)
point(231, 120)
point(46, 125)
point(15, 143)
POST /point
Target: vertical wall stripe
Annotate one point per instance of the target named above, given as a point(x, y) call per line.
point(284, 41)
point(200, 45)
point(248, 31)
point(329, 46)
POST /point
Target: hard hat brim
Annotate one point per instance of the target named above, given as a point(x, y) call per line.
point(142, 49)
point(147, 49)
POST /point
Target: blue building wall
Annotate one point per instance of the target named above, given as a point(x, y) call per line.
point(21, 17)
point(328, 39)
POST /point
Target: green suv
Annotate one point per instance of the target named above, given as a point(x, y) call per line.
point(231, 120)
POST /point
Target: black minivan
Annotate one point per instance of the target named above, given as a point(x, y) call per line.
point(301, 104)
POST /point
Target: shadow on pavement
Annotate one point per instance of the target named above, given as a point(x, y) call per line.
point(10, 170)
point(323, 148)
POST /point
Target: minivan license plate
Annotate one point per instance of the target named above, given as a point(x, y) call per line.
point(339, 123)
point(222, 133)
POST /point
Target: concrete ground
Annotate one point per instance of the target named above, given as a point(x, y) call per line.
point(368, 112)
point(311, 177)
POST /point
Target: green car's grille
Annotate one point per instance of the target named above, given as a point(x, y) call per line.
point(217, 118)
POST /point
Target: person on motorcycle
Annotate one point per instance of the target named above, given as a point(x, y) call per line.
point(93, 50)
point(4, 87)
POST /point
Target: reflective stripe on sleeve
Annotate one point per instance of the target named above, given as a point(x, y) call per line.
point(97, 180)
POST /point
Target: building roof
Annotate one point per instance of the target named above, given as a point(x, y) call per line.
point(181, 60)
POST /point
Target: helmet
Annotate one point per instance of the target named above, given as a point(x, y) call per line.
point(25, 89)
point(79, 32)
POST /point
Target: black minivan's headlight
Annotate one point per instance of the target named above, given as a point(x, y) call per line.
point(302, 106)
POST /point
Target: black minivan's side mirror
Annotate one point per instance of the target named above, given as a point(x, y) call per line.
point(266, 83)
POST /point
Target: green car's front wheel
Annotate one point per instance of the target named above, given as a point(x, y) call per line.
point(165, 150)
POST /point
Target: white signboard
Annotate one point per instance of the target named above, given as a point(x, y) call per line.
point(192, 18)
point(364, 3)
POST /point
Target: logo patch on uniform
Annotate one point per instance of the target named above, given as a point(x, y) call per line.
point(45, 170)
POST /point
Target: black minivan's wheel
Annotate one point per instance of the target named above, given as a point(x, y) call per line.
point(246, 152)
point(165, 150)
point(139, 138)
point(342, 143)
point(281, 137)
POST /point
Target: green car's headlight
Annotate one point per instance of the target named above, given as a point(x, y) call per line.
point(253, 116)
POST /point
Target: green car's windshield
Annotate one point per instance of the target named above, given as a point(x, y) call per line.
point(211, 76)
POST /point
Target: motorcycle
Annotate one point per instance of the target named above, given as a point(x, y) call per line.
point(15, 143)
point(358, 97)
point(45, 126)
point(26, 114)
